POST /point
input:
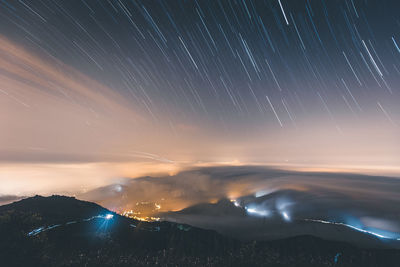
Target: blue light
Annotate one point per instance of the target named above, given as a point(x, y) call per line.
point(382, 234)
point(337, 257)
point(109, 216)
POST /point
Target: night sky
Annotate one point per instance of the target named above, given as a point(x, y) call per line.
point(124, 87)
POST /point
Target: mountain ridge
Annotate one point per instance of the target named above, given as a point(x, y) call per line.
point(99, 237)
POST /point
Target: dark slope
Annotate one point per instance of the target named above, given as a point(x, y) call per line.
point(78, 233)
point(233, 220)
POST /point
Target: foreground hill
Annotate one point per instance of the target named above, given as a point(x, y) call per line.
point(64, 231)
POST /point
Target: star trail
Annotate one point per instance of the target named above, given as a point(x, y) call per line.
point(310, 82)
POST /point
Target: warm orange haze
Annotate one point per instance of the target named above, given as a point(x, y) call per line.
point(57, 120)
point(200, 133)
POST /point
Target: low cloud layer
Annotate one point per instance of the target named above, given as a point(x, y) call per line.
point(261, 202)
point(5, 199)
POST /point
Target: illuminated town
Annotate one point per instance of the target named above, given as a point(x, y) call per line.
point(143, 211)
point(200, 133)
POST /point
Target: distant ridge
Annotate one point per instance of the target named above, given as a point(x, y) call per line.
point(71, 232)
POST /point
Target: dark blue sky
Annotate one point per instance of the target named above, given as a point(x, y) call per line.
point(221, 61)
point(289, 82)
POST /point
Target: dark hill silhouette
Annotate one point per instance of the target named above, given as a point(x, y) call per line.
point(64, 231)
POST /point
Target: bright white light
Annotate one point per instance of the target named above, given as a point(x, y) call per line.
point(109, 216)
point(285, 216)
point(258, 212)
point(235, 203)
point(118, 188)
